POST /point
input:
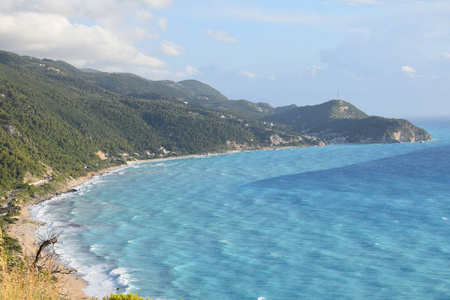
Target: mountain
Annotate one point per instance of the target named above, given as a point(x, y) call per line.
point(307, 117)
point(338, 121)
point(59, 122)
point(55, 123)
point(335, 121)
point(191, 91)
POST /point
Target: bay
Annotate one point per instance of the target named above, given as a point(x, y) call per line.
point(344, 221)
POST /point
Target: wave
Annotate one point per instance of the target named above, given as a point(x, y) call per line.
point(101, 280)
point(124, 277)
point(95, 248)
point(102, 277)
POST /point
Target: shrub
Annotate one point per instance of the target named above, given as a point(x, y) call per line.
point(122, 296)
point(22, 281)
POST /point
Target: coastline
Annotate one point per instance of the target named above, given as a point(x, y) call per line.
point(25, 230)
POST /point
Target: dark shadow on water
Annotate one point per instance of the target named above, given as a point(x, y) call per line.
point(424, 166)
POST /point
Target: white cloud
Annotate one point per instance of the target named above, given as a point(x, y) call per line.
point(44, 28)
point(142, 60)
point(221, 36)
point(158, 4)
point(54, 36)
point(138, 33)
point(145, 15)
point(447, 55)
point(189, 71)
point(172, 49)
point(273, 78)
point(151, 73)
point(192, 71)
point(249, 74)
point(162, 23)
point(409, 71)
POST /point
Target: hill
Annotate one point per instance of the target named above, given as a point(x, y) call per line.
point(191, 91)
point(59, 122)
point(53, 121)
point(335, 121)
point(338, 121)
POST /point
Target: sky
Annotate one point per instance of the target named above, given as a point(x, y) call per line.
point(387, 57)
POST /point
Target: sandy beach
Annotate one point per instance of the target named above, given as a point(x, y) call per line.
point(25, 230)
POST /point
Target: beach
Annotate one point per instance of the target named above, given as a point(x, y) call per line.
point(25, 230)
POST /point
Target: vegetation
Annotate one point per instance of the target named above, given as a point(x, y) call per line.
point(24, 282)
point(38, 277)
point(304, 118)
point(20, 279)
point(54, 118)
point(128, 296)
point(190, 91)
point(337, 121)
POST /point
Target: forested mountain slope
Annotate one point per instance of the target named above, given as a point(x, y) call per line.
point(338, 121)
point(191, 91)
point(57, 121)
point(51, 118)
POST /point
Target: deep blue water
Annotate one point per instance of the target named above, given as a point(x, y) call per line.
point(347, 221)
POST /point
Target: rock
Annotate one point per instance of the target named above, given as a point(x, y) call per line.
point(12, 130)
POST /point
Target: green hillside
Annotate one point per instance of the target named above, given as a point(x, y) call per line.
point(52, 118)
point(59, 122)
point(338, 121)
point(203, 91)
point(306, 117)
point(191, 91)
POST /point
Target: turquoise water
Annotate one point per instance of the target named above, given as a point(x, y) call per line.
point(347, 221)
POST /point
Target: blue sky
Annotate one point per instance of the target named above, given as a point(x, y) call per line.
point(389, 58)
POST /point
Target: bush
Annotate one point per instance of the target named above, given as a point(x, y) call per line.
point(122, 296)
point(21, 281)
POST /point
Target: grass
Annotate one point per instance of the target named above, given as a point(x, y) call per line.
point(19, 280)
point(26, 279)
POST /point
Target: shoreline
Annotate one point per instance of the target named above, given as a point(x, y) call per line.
point(25, 230)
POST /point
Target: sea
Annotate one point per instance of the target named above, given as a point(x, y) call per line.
point(331, 222)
